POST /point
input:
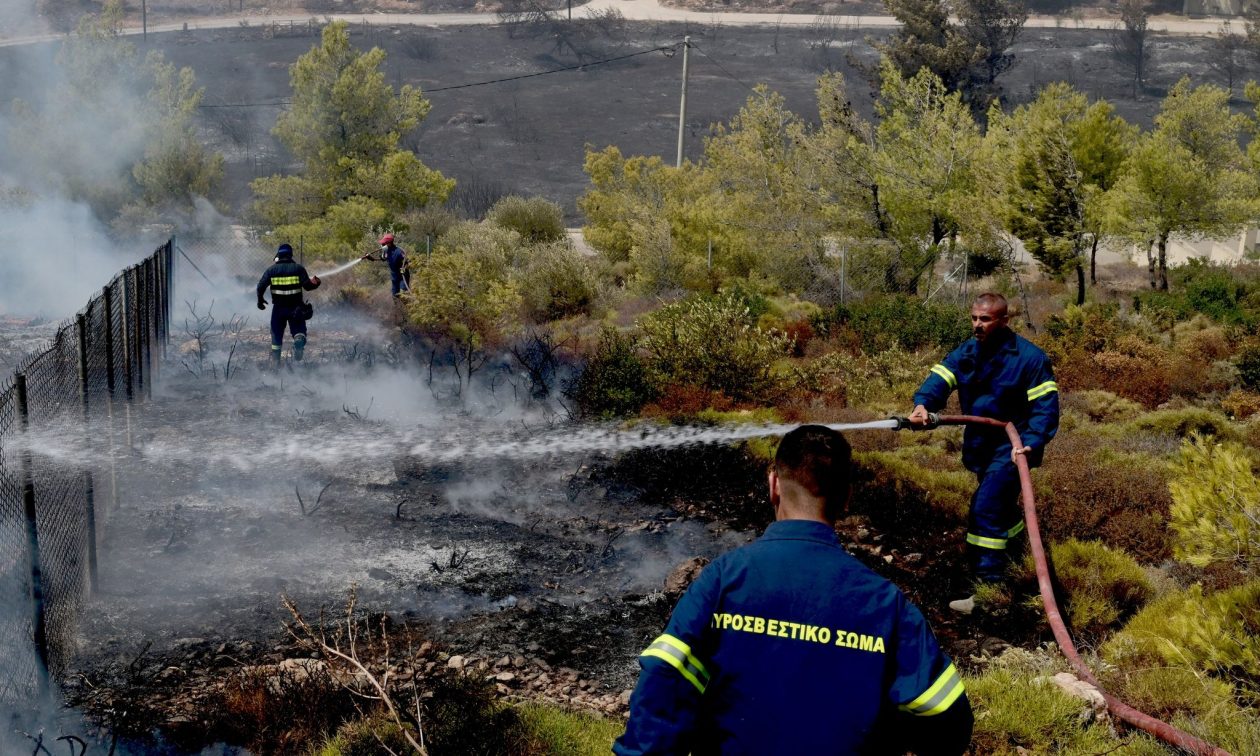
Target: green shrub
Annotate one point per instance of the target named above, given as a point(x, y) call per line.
point(1102, 406)
point(882, 322)
point(536, 219)
point(1216, 506)
point(1022, 712)
point(1217, 633)
point(882, 381)
point(367, 736)
point(1101, 587)
point(1183, 422)
point(712, 343)
point(615, 381)
point(553, 731)
point(558, 282)
point(1248, 363)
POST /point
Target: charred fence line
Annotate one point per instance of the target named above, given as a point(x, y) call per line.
point(96, 365)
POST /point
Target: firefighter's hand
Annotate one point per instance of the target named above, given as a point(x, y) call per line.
point(1015, 453)
point(262, 305)
point(919, 416)
point(315, 280)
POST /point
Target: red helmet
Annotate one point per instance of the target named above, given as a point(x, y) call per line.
point(387, 239)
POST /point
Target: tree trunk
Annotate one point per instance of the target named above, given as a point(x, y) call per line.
point(1093, 262)
point(1163, 262)
point(1080, 284)
point(1150, 262)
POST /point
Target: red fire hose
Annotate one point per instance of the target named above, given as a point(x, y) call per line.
point(1158, 728)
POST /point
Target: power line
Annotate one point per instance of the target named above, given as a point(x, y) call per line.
point(723, 68)
point(663, 48)
point(556, 70)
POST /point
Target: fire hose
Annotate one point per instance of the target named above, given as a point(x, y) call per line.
point(1121, 710)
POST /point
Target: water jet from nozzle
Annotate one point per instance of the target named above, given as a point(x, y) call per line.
point(340, 268)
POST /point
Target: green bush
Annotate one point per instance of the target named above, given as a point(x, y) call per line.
point(1248, 364)
point(712, 343)
point(1216, 506)
point(615, 381)
point(880, 322)
point(1216, 634)
point(553, 731)
point(536, 219)
point(1102, 406)
point(1183, 422)
point(365, 737)
point(1101, 587)
point(558, 282)
point(1022, 712)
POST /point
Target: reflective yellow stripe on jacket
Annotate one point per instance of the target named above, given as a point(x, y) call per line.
point(939, 696)
point(678, 655)
point(946, 375)
point(998, 544)
point(1040, 390)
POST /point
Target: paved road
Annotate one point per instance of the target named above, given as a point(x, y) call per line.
point(636, 10)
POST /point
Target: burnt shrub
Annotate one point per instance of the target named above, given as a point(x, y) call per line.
point(615, 381)
point(280, 709)
point(536, 219)
point(1130, 367)
point(682, 402)
point(1122, 501)
point(878, 323)
point(1240, 404)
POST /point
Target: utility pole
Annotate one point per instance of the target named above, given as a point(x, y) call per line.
point(144, 19)
point(682, 107)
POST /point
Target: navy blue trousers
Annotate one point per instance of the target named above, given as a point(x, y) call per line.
point(282, 317)
point(996, 519)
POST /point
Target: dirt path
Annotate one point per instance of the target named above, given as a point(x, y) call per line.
point(632, 10)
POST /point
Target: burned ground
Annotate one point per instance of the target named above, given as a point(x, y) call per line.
point(527, 136)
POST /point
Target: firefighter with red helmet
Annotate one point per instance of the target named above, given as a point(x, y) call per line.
point(396, 258)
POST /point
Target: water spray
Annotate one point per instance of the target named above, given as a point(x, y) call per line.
point(340, 268)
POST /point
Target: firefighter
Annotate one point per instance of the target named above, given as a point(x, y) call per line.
point(287, 280)
point(1001, 375)
point(790, 645)
point(396, 258)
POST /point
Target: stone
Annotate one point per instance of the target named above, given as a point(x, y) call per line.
point(505, 677)
point(624, 698)
point(683, 575)
point(506, 661)
point(456, 662)
point(1080, 689)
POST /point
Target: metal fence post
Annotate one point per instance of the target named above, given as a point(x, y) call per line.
point(110, 390)
point(155, 306)
point(89, 487)
point(35, 565)
point(137, 328)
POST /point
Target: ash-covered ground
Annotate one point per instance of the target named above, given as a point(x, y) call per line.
point(483, 520)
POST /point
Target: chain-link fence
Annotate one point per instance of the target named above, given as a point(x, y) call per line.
point(106, 356)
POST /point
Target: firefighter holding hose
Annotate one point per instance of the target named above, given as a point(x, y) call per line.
point(790, 645)
point(396, 258)
point(1001, 375)
point(287, 280)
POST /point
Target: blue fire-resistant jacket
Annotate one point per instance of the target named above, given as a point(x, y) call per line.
point(789, 645)
point(1009, 380)
point(287, 280)
point(396, 258)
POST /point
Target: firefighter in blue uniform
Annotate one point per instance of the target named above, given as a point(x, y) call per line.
point(790, 645)
point(287, 280)
point(396, 258)
point(1004, 376)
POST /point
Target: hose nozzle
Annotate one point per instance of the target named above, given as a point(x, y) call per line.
point(903, 423)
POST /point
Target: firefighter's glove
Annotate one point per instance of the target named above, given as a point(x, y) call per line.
point(315, 280)
point(262, 305)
